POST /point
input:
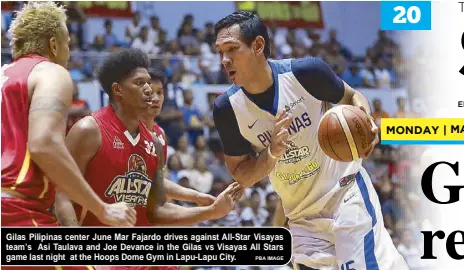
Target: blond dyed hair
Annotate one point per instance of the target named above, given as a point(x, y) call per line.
point(34, 26)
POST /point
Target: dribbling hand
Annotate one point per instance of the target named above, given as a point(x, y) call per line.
point(118, 214)
point(375, 133)
point(280, 134)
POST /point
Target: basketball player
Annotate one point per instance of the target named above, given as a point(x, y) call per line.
point(116, 153)
point(173, 190)
point(36, 94)
point(268, 121)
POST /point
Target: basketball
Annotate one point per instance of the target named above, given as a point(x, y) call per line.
point(344, 133)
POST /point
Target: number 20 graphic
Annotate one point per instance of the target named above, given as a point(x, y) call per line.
point(406, 15)
point(413, 14)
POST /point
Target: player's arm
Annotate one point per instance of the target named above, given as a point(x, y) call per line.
point(279, 219)
point(175, 215)
point(48, 111)
point(157, 193)
point(64, 210)
point(180, 193)
point(170, 214)
point(245, 167)
point(322, 83)
point(83, 142)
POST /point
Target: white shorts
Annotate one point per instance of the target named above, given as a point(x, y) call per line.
point(347, 232)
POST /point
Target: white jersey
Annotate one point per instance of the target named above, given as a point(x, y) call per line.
point(334, 211)
point(304, 174)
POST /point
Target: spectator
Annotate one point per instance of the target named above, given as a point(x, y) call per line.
point(352, 76)
point(382, 75)
point(402, 112)
point(171, 118)
point(210, 36)
point(271, 204)
point(382, 41)
point(333, 40)
point(210, 63)
point(200, 178)
point(173, 59)
point(133, 29)
point(76, 20)
point(188, 19)
point(367, 74)
point(154, 31)
point(201, 150)
point(110, 37)
point(255, 214)
point(143, 43)
point(208, 118)
point(188, 41)
point(378, 112)
point(174, 165)
point(9, 17)
point(192, 117)
point(78, 67)
point(99, 44)
point(185, 155)
point(219, 169)
point(6, 56)
point(335, 59)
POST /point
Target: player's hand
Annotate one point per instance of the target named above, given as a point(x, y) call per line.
point(280, 133)
point(225, 201)
point(202, 199)
point(118, 214)
point(375, 133)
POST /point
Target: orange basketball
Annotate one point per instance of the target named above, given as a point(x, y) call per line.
point(345, 133)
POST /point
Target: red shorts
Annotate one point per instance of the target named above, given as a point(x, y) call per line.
point(26, 213)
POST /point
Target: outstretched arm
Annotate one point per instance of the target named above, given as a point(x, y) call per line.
point(174, 215)
point(162, 213)
point(180, 193)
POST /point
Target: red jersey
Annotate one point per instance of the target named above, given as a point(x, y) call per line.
point(19, 172)
point(122, 169)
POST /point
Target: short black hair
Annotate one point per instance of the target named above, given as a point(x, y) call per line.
point(251, 27)
point(157, 74)
point(118, 66)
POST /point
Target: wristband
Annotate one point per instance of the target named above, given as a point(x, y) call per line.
point(269, 153)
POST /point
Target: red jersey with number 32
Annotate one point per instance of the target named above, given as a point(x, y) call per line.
point(19, 172)
point(122, 169)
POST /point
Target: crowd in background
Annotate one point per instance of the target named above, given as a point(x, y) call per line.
point(195, 158)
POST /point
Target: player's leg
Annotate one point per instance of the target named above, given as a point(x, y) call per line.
point(313, 246)
point(361, 240)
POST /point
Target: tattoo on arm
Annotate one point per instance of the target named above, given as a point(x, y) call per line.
point(49, 104)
